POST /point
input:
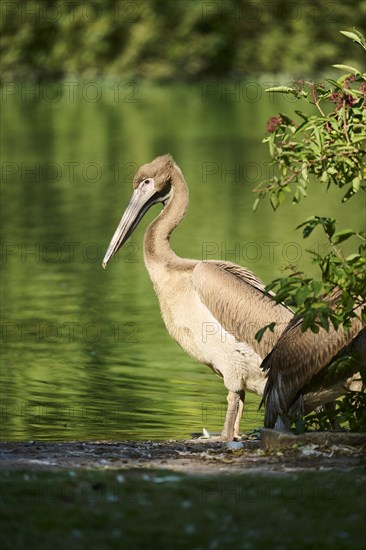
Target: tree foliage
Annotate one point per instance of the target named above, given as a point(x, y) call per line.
point(325, 148)
point(351, 409)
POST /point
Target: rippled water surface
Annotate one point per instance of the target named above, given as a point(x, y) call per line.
point(85, 354)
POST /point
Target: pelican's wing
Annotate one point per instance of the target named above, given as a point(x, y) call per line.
point(238, 301)
point(295, 359)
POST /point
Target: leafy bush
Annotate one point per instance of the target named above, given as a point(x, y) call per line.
point(328, 148)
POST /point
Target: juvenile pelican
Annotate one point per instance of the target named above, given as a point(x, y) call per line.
point(213, 309)
point(300, 374)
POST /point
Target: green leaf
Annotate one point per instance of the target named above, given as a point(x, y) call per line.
point(255, 205)
point(352, 257)
point(286, 119)
point(324, 321)
point(324, 177)
point(274, 201)
point(332, 171)
point(356, 37)
point(302, 115)
point(282, 89)
point(356, 182)
point(318, 137)
point(272, 146)
point(342, 235)
point(301, 188)
point(300, 295)
point(304, 171)
point(334, 83)
point(348, 195)
point(310, 224)
point(347, 68)
point(261, 332)
point(361, 138)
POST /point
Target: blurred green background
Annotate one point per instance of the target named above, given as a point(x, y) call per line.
point(181, 40)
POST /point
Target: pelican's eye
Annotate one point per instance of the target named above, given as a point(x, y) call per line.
point(147, 181)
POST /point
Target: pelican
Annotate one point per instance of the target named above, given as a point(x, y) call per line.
point(213, 309)
point(300, 374)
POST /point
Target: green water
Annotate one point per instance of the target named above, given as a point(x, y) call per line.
point(85, 354)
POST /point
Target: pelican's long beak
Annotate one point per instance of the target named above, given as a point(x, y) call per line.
point(142, 198)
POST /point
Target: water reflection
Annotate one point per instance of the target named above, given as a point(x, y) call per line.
point(85, 353)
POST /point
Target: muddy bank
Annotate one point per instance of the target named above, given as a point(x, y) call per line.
point(196, 456)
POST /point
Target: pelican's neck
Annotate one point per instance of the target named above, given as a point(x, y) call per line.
point(157, 248)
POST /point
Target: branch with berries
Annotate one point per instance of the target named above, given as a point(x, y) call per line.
point(324, 148)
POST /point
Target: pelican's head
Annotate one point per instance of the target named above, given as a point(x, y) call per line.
point(151, 184)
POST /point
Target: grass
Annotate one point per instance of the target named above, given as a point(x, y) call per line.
point(148, 509)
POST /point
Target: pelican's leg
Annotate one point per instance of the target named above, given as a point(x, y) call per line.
point(233, 400)
point(239, 414)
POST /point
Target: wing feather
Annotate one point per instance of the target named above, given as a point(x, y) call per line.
point(237, 299)
point(296, 359)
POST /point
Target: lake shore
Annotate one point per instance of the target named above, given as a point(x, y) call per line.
point(193, 456)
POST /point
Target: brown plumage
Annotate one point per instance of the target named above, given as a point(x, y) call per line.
point(237, 298)
point(213, 309)
point(299, 378)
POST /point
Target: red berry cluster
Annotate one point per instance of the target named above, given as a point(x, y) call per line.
point(273, 124)
point(342, 98)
